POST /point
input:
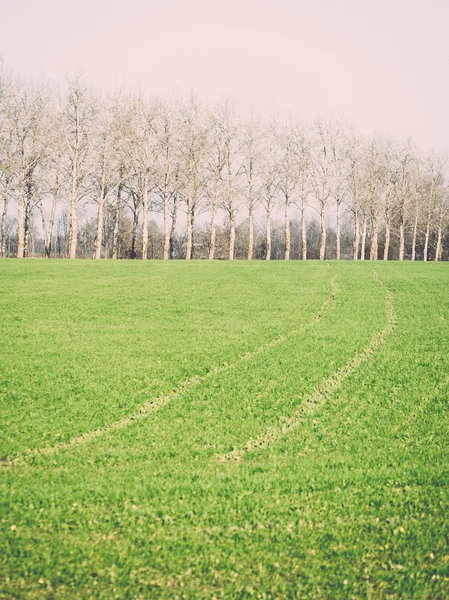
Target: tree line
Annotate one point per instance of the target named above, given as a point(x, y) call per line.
point(120, 175)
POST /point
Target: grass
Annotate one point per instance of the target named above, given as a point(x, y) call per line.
point(348, 365)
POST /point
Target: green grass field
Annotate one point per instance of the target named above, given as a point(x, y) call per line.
point(224, 430)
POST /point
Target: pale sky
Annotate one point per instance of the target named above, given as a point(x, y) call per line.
point(382, 64)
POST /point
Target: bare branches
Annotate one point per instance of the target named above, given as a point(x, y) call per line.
point(120, 166)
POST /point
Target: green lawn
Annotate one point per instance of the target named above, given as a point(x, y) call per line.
point(227, 430)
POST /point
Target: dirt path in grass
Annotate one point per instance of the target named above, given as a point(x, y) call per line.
point(322, 393)
point(155, 404)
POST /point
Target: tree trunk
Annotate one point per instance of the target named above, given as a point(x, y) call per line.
point(429, 217)
point(133, 253)
point(173, 227)
point(426, 242)
point(189, 229)
point(73, 213)
point(4, 215)
point(51, 223)
point(323, 234)
point(355, 251)
point(438, 251)
point(287, 232)
point(192, 220)
point(26, 236)
point(338, 231)
point(213, 218)
point(268, 234)
point(99, 237)
point(231, 235)
point(362, 249)
point(145, 223)
point(303, 231)
point(251, 233)
point(387, 239)
point(48, 230)
point(374, 240)
point(212, 232)
point(21, 224)
point(401, 240)
point(166, 226)
point(415, 230)
point(118, 209)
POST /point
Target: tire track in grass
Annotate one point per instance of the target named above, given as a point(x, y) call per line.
point(322, 393)
point(151, 406)
point(422, 407)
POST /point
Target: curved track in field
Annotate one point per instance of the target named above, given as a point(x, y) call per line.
point(154, 405)
point(320, 395)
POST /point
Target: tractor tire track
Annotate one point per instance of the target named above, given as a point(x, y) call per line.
point(151, 406)
point(322, 393)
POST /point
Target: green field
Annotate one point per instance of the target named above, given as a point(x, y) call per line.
point(224, 430)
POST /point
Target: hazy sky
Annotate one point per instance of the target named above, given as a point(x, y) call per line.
point(383, 64)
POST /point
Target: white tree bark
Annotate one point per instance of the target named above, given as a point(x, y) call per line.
point(173, 226)
point(21, 223)
point(401, 240)
point(415, 231)
point(4, 215)
point(166, 250)
point(323, 233)
point(145, 207)
point(99, 236)
point(251, 233)
point(118, 210)
point(231, 236)
point(438, 250)
point(364, 232)
point(213, 224)
point(387, 239)
point(212, 232)
point(287, 232)
point(338, 232)
point(426, 242)
point(189, 229)
point(374, 250)
point(303, 230)
point(268, 234)
point(355, 253)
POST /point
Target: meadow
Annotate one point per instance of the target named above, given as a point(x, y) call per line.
point(224, 429)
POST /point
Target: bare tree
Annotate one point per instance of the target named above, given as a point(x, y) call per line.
point(142, 161)
point(55, 178)
point(442, 218)
point(215, 168)
point(6, 183)
point(435, 170)
point(321, 161)
point(376, 184)
point(287, 174)
point(387, 172)
point(28, 136)
point(302, 149)
point(252, 150)
point(356, 156)
point(232, 169)
point(79, 113)
point(167, 164)
point(106, 176)
point(340, 174)
point(403, 181)
point(6, 146)
point(193, 153)
point(270, 186)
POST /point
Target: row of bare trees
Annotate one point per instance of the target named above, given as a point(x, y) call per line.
point(127, 157)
